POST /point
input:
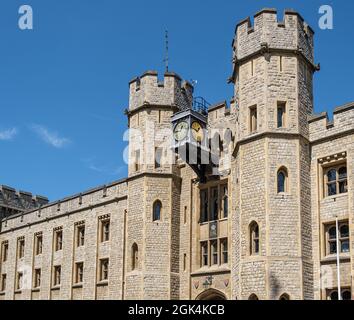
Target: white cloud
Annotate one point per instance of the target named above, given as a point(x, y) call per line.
point(51, 138)
point(8, 134)
point(103, 169)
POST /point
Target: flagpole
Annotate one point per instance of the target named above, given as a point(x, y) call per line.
point(338, 261)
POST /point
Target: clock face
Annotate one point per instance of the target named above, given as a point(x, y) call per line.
point(197, 131)
point(181, 130)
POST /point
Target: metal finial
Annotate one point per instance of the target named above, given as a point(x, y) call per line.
point(166, 60)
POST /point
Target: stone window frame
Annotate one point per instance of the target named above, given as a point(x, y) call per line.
point(104, 232)
point(334, 291)
point(4, 251)
point(56, 277)
point(58, 239)
point(79, 273)
point(134, 257)
point(254, 239)
point(283, 106)
point(21, 245)
point(19, 281)
point(208, 191)
point(3, 282)
point(38, 243)
point(338, 181)
point(103, 272)
point(204, 254)
point(157, 217)
point(158, 157)
point(253, 119)
point(80, 234)
point(37, 274)
point(283, 170)
point(328, 240)
point(224, 251)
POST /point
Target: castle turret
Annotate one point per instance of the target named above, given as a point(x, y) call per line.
point(273, 70)
point(152, 262)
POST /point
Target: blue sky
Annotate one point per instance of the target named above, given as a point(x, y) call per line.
point(64, 85)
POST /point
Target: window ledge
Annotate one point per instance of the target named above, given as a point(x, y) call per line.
point(55, 288)
point(36, 289)
point(212, 270)
point(333, 198)
point(333, 258)
point(18, 291)
point(77, 286)
point(2, 293)
point(103, 283)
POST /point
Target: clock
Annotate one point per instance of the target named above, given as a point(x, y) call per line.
point(197, 131)
point(181, 130)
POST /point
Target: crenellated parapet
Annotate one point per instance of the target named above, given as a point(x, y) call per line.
point(13, 201)
point(322, 128)
point(267, 34)
point(171, 91)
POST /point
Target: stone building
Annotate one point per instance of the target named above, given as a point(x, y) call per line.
point(256, 222)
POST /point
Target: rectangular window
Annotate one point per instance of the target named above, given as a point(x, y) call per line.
point(37, 278)
point(158, 157)
point(58, 238)
point(19, 280)
point(281, 113)
point(343, 238)
point(281, 63)
point(224, 251)
point(185, 214)
point(204, 254)
point(38, 244)
point(204, 206)
point(79, 272)
point(253, 119)
point(105, 230)
point(184, 262)
point(4, 251)
point(214, 205)
point(137, 160)
point(57, 276)
point(336, 180)
point(80, 236)
point(3, 282)
point(104, 266)
point(21, 248)
point(214, 252)
point(224, 201)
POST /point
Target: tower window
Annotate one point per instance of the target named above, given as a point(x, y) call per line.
point(19, 281)
point(157, 210)
point(336, 180)
point(158, 157)
point(253, 119)
point(184, 262)
point(224, 251)
point(135, 256)
point(343, 234)
point(281, 112)
point(282, 180)
point(225, 201)
point(204, 206)
point(214, 204)
point(137, 160)
point(253, 297)
point(214, 252)
point(204, 254)
point(254, 238)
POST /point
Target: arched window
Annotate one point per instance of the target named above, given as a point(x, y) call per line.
point(346, 295)
point(284, 297)
point(135, 256)
point(334, 295)
point(282, 180)
point(336, 180)
point(253, 297)
point(254, 238)
point(156, 215)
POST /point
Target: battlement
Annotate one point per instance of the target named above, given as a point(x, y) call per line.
point(343, 121)
point(171, 91)
point(268, 33)
point(13, 201)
